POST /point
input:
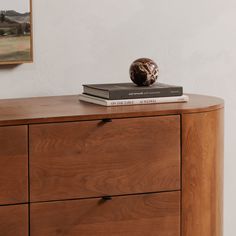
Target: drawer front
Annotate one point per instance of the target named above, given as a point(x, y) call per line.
point(148, 214)
point(14, 220)
point(96, 158)
point(13, 165)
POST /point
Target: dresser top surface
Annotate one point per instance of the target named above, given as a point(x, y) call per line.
point(69, 108)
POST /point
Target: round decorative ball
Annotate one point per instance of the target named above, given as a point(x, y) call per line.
point(144, 72)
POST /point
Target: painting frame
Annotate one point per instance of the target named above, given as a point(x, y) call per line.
point(22, 61)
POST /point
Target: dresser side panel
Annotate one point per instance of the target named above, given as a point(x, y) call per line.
point(202, 173)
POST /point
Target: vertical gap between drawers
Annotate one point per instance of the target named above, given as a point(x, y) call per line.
point(181, 172)
point(28, 135)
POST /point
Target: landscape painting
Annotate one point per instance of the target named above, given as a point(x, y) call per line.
point(15, 31)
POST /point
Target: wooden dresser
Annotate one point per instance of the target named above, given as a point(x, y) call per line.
point(78, 169)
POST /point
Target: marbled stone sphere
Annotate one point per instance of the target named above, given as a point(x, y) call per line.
point(144, 72)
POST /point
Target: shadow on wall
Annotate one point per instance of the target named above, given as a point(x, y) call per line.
point(9, 67)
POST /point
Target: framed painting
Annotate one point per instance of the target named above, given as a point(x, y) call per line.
point(16, 31)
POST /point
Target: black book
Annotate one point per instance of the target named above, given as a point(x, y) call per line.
point(130, 90)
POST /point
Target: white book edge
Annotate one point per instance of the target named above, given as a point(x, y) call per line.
point(136, 101)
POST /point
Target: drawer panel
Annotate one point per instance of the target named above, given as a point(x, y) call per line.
point(148, 214)
point(14, 220)
point(13, 165)
point(96, 158)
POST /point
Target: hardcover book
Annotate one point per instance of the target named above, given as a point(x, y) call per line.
point(118, 91)
point(136, 101)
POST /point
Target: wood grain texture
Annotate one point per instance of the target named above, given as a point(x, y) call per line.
point(13, 165)
point(150, 214)
point(96, 158)
point(202, 187)
point(14, 220)
point(68, 108)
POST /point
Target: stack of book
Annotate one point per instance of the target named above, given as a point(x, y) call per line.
point(121, 94)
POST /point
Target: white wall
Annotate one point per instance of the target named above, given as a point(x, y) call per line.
point(19, 6)
point(89, 41)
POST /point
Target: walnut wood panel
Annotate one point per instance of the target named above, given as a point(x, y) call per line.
point(13, 165)
point(150, 214)
point(14, 220)
point(68, 108)
point(96, 158)
point(202, 174)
